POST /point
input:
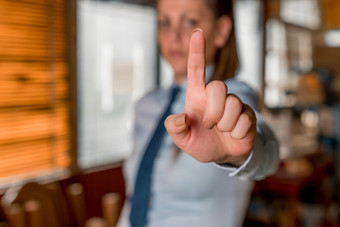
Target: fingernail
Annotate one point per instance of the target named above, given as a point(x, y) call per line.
point(181, 119)
point(198, 29)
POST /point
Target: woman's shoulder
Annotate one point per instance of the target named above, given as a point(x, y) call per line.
point(237, 86)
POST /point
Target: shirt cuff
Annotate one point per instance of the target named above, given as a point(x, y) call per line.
point(261, 162)
point(235, 170)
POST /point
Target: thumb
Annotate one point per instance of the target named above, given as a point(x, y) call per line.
point(177, 126)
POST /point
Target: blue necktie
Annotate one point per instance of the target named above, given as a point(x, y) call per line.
point(141, 196)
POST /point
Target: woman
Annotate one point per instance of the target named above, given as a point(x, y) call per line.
point(216, 143)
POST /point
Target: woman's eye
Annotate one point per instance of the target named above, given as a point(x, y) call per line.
point(191, 22)
point(163, 24)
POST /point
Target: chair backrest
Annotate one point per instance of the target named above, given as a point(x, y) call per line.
point(42, 205)
point(111, 205)
point(76, 198)
point(15, 215)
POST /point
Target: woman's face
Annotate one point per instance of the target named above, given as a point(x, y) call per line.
point(177, 19)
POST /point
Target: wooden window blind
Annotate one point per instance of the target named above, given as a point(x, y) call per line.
point(34, 88)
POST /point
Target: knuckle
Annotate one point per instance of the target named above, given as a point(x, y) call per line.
point(246, 119)
point(217, 86)
point(237, 135)
point(234, 102)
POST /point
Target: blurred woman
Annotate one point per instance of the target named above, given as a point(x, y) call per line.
point(199, 173)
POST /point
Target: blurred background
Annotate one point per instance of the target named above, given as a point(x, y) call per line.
point(72, 70)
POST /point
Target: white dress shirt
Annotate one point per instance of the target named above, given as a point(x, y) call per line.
point(185, 192)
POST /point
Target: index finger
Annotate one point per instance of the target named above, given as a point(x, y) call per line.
point(196, 61)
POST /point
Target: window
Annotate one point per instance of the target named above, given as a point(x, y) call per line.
point(276, 71)
point(249, 31)
point(117, 62)
point(34, 89)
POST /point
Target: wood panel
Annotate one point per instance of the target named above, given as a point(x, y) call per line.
point(331, 14)
point(327, 57)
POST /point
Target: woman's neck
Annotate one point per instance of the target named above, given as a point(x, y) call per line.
point(209, 69)
point(180, 78)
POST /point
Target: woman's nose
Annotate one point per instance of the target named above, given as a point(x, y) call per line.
point(176, 33)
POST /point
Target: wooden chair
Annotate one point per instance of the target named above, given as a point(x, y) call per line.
point(96, 222)
point(111, 204)
point(36, 205)
point(41, 205)
point(15, 215)
point(76, 198)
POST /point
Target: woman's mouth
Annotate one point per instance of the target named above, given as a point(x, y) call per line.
point(176, 54)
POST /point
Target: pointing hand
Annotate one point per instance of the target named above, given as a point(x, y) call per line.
point(216, 126)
